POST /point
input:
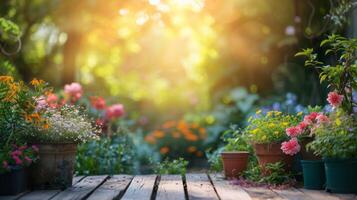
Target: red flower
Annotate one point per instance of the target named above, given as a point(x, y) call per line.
point(99, 122)
point(52, 100)
point(293, 131)
point(98, 103)
point(310, 119)
point(334, 99)
point(114, 111)
point(290, 147)
point(303, 125)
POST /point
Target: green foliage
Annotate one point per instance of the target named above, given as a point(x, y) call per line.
point(235, 140)
point(269, 127)
point(106, 156)
point(176, 166)
point(277, 174)
point(214, 159)
point(340, 74)
point(17, 156)
point(9, 31)
point(337, 138)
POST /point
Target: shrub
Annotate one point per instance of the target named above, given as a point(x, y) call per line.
point(177, 166)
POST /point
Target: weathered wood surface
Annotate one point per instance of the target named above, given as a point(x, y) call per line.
point(170, 187)
point(81, 189)
point(200, 187)
point(227, 191)
point(112, 188)
point(141, 187)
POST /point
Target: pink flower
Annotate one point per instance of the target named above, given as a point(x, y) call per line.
point(334, 99)
point(21, 148)
point(322, 119)
point(18, 161)
point(310, 119)
point(35, 148)
point(52, 100)
point(114, 111)
point(98, 103)
point(28, 160)
point(99, 122)
point(41, 103)
point(290, 147)
point(16, 153)
point(74, 90)
point(293, 131)
point(303, 125)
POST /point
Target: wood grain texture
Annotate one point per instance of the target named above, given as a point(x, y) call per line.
point(111, 188)
point(170, 187)
point(40, 195)
point(141, 187)
point(318, 194)
point(13, 197)
point(81, 189)
point(258, 193)
point(227, 191)
point(200, 187)
point(76, 179)
point(292, 194)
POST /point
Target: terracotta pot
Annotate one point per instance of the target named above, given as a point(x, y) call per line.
point(55, 168)
point(271, 153)
point(234, 163)
point(305, 154)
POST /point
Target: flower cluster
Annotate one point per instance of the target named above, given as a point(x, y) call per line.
point(176, 138)
point(308, 126)
point(66, 124)
point(269, 127)
point(22, 155)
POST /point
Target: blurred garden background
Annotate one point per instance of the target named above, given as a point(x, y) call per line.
point(173, 75)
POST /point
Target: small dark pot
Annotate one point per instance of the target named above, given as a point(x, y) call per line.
point(55, 168)
point(271, 153)
point(13, 182)
point(314, 174)
point(341, 175)
point(305, 154)
point(234, 163)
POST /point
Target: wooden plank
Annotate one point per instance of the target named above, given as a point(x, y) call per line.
point(112, 188)
point(141, 187)
point(40, 195)
point(292, 194)
point(76, 179)
point(81, 189)
point(259, 193)
point(13, 197)
point(318, 194)
point(200, 187)
point(170, 187)
point(227, 191)
point(345, 196)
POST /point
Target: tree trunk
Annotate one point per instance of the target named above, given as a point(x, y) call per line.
point(70, 52)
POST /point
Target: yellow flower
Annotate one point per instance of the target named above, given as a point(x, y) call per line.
point(338, 122)
point(264, 137)
point(270, 113)
point(255, 131)
point(277, 113)
point(271, 125)
point(258, 112)
point(285, 124)
point(276, 132)
point(299, 113)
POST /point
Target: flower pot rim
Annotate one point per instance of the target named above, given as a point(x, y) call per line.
point(235, 152)
point(312, 161)
point(331, 160)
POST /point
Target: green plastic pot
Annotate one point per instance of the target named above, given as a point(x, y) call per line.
point(314, 174)
point(341, 175)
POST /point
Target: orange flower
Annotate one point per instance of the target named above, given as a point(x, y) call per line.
point(164, 150)
point(194, 125)
point(150, 139)
point(158, 134)
point(45, 126)
point(199, 154)
point(6, 79)
point(191, 149)
point(36, 82)
point(168, 124)
point(176, 134)
point(203, 133)
point(191, 137)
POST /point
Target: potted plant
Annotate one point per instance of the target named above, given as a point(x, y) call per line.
point(312, 166)
point(18, 115)
point(266, 132)
point(235, 154)
point(57, 142)
point(14, 159)
point(336, 139)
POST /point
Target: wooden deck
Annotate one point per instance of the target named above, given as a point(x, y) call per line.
point(171, 187)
